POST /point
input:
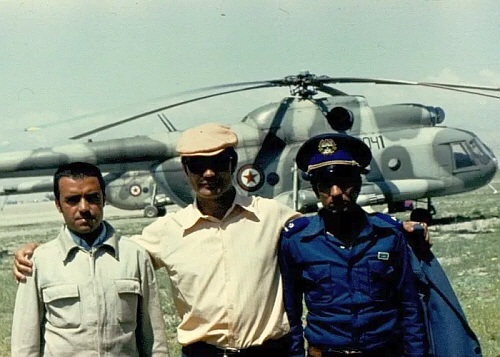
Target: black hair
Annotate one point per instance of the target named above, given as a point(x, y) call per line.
point(78, 170)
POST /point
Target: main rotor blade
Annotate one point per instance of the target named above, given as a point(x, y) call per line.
point(464, 86)
point(329, 90)
point(170, 96)
point(462, 90)
point(126, 120)
point(448, 86)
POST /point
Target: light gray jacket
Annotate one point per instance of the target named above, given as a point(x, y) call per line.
point(103, 302)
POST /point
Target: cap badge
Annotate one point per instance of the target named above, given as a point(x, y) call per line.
point(327, 146)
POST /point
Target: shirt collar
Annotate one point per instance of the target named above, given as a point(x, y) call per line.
point(317, 226)
point(190, 215)
point(107, 237)
point(83, 243)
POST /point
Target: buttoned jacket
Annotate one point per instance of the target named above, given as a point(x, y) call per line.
point(102, 302)
point(361, 296)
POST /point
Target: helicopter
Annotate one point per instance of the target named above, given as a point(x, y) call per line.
point(131, 190)
point(414, 157)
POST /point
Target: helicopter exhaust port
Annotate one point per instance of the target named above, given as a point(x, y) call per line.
point(340, 119)
point(436, 115)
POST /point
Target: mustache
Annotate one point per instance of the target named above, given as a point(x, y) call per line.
point(338, 205)
point(209, 181)
point(337, 208)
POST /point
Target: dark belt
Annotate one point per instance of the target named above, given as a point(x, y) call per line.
point(276, 347)
point(319, 352)
point(386, 351)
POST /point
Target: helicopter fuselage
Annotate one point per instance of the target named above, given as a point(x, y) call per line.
point(414, 156)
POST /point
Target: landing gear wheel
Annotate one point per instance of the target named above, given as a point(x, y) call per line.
point(150, 211)
point(421, 215)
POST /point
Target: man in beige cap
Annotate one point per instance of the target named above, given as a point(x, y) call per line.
point(221, 255)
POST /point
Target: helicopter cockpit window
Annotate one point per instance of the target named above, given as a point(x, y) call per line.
point(477, 149)
point(461, 156)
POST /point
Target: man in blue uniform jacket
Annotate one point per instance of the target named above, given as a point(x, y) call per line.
point(353, 269)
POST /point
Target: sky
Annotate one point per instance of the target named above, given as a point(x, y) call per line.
point(105, 60)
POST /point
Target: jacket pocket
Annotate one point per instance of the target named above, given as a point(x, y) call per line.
point(318, 283)
point(382, 279)
point(129, 291)
point(63, 305)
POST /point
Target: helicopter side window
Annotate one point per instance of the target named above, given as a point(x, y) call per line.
point(461, 156)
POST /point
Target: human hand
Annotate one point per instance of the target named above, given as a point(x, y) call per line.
point(418, 237)
point(22, 262)
point(419, 228)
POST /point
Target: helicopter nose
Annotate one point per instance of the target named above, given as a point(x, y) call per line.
point(493, 159)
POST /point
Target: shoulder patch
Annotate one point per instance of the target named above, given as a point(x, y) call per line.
point(294, 226)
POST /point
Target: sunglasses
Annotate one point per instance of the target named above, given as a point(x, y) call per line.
point(343, 177)
point(198, 165)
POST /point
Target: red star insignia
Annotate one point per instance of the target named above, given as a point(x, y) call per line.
point(250, 177)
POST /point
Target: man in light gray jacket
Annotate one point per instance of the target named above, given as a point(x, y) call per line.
point(90, 292)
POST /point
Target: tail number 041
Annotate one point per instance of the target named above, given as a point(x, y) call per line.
point(374, 142)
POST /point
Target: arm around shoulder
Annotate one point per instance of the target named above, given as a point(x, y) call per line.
point(152, 240)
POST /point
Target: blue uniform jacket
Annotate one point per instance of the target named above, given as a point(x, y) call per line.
point(363, 297)
point(447, 328)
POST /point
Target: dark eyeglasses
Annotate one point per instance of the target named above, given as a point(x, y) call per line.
point(341, 176)
point(324, 186)
point(198, 165)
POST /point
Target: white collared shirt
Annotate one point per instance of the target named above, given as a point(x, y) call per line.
point(224, 273)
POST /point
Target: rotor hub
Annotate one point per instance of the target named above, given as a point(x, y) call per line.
point(303, 85)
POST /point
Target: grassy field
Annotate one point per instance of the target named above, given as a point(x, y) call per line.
point(466, 241)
